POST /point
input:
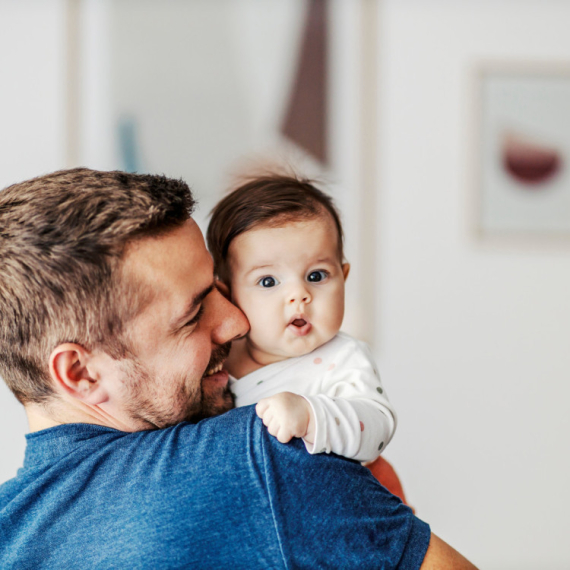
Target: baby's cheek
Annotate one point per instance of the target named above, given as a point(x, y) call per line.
point(334, 322)
point(257, 317)
point(263, 325)
point(248, 306)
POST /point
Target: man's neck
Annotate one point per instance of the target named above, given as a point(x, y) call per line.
point(38, 421)
point(40, 417)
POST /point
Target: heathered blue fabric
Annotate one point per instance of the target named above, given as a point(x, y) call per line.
point(218, 494)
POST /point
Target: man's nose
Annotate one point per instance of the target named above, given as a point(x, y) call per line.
point(231, 323)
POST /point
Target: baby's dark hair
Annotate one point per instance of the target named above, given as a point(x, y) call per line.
point(269, 201)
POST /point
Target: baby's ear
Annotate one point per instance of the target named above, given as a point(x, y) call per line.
point(223, 289)
point(345, 270)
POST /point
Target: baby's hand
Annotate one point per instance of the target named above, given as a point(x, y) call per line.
point(286, 415)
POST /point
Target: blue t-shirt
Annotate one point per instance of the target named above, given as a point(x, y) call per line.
point(221, 493)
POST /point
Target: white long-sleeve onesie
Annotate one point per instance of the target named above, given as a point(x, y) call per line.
point(339, 380)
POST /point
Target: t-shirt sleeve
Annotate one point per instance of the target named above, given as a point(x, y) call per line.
point(330, 512)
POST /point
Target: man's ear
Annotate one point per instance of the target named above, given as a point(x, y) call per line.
point(69, 367)
point(345, 270)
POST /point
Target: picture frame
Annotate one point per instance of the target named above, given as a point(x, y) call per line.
point(521, 170)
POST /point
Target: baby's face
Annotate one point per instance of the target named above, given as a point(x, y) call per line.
point(289, 282)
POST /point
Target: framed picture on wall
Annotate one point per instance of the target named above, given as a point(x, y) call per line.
point(522, 169)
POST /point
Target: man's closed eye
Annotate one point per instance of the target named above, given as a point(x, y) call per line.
point(194, 320)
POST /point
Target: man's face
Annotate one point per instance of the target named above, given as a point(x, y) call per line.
point(181, 338)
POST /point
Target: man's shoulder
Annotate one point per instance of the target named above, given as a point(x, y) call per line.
point(237, 435)
point(191, 484)
point(318, 499)
point(185, 486)
point(229, 430)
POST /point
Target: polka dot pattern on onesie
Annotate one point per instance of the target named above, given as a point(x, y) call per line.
point(318, 360)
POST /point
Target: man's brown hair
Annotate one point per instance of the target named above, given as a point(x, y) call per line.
point(62, 237)
point(271, 200)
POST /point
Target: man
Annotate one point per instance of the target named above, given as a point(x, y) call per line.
point(113, 336)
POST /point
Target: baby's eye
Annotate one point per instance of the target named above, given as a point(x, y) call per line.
point(268, 282)
point(316, 276)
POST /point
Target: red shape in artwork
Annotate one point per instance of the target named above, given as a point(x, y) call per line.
point(529, 162)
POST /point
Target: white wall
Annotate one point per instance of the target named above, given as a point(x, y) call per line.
point(473, 339)
point(208, 88)
point(32, 119)
point(31, 98)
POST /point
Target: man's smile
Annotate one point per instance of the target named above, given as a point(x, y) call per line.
point(215, 372)
point(215, 369)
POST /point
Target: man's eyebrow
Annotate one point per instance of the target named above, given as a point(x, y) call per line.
point(191, 308)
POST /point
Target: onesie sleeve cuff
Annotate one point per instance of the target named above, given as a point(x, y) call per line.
point(320, 444)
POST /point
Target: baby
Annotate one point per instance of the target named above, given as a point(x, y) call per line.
point(277, 244)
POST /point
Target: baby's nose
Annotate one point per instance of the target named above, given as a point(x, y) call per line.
point(300, 295)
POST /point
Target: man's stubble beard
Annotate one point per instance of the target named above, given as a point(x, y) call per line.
point(150, 404)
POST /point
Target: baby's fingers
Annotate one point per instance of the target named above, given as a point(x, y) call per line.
point(265, 411)
point(284, 435)
point(261, 407)
point(267, 417)
point(273, 426)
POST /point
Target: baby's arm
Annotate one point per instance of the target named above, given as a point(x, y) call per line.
point(349, 415)
point(352, 413)
point(354, 428)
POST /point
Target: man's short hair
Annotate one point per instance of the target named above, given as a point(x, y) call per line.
point(62, 237)
point(268, 201)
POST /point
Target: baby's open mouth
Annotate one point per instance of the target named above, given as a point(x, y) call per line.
point(299, 326)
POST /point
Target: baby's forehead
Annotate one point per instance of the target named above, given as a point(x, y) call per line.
point(290, 220)
point(314, 237)
point(322, 222)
